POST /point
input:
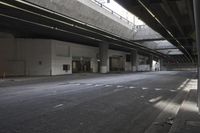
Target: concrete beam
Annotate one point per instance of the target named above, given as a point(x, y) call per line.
point(160, 39)
point(149, 39)
point(165, 48)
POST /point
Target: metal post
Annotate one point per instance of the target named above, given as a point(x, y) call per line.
point(197, 24)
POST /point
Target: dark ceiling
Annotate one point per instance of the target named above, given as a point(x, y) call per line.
point(173, 19)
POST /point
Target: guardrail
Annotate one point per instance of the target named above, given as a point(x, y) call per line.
point(114, 13)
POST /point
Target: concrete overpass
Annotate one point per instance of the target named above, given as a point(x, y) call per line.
point(29, 20)
point(80, 67)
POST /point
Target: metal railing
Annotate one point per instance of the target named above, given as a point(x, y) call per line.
point(116, 14)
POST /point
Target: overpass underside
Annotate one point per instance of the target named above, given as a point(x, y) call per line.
point(79, 67)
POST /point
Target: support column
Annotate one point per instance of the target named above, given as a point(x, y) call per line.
point(134, 60)
point(161, 65)
point(151, 62)
point(197, 24)
point(103, 52)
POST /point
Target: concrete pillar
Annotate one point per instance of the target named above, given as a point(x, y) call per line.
point(161, 65)
point(197, 24)
point(151, 62)
point(134, 60)
point(103, 52)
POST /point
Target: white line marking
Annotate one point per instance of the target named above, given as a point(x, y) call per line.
point(158, 89)
point(155, 99)
point(97, 85)
point(59, 105)
point(144, 88)
point(108, 85)
point(119, 86)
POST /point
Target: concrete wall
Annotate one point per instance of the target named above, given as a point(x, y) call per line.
point(78, 51)
point(36, 54)
point(143, 64)
point(72, 50)
point(180, 67)
point(143, 68)
point(114, 53)
point(89, 12)
point(7, 56)
point(40, 57)
point(128, 67)
point(60, 55)
point(20, 57)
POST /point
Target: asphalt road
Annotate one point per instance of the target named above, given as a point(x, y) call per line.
point(89, 103)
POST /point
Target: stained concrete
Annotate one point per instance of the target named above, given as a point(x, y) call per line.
point(89, 103)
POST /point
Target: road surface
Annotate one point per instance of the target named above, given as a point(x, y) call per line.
point(89, 103)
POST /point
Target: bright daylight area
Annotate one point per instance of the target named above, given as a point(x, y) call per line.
point(139, 25)
point(99, 66)
point(121, 11)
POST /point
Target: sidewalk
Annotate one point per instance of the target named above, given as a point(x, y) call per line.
point(188, 118)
